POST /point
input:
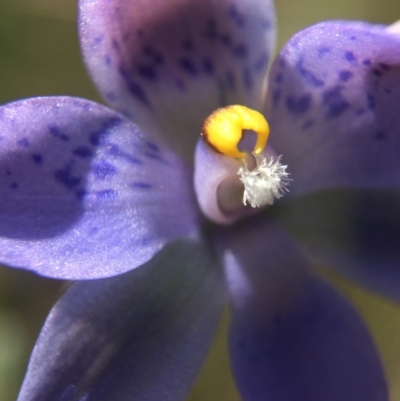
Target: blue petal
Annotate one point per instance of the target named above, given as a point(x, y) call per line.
point(140, 336)
point(292, 336)
point(169, 64)
point(356, 232)
point(84, 194)
point(333, 107)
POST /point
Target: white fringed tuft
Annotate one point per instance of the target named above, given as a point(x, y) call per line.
point(265, 183)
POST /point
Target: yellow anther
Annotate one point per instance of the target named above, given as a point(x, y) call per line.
point(223, 129)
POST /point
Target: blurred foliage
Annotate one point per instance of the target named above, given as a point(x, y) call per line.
point(40, 56)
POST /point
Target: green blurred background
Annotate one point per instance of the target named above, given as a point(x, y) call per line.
point(40, 56)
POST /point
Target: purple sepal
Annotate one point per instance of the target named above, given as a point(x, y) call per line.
point(169, 64)
point(292, 337)
point(142, 335)
point(334, 96)
point(83, 193)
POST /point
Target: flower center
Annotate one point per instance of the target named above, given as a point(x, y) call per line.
point(223, 130)
point(233, 176)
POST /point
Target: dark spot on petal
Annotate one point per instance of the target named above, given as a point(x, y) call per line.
point(144, 241)
point(367, 62)
point(379, 135)
point(298, 105)
point(349, 56)
point(385, 67)
point(14, 185)
point(226, 39)
point(115, 45)
point(208, 66)
point(261, 62)
point(240, 50)
point(308, 124)
point(106, 194)
point(24, 142)
point(65, 177)
point(308, 76)
point(80, 194)
point(345, 75)
point(188, 66)
point(134, 88)
point(103, 169)
point(153, 146)
point(96, 137)
point(276, 96)
point(137, 91)
point(107, 59)
point(266, 25)
point(97, 40)
point(236, 16)
point(114, 150)
point(126, 36)
point(323, 50)
point(376, 72)
point(370, 101)
point(111, 96)
point(146, 71)
point(38, 159)
point(57, 133)
point(154, 156)
point(335, 102)
point(141, 185)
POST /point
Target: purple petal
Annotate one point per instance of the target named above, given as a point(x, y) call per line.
point(83, 193)
point(356, 232)
point(169, 64)
point(333, 107)
point(140, 336)
point(317, 350)
point(292, 336)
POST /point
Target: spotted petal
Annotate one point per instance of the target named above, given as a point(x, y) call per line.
point(333, 107)
point(169, 64)
point(83, 193)
point(293, 337)
point(139, 336)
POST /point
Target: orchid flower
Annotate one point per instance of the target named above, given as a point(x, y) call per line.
point(147, 215)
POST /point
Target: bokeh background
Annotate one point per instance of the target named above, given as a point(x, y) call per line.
point(39, 55)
